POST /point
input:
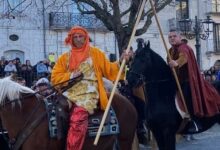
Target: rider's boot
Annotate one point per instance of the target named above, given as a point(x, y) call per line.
point(194, 126)
point(142, 133)
point(78, 128)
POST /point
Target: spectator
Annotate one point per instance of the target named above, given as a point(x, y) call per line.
point(27, 73)
point(52, 65)
point(30, 77)
point(17, 64)
point(42, 86)
point(218, 76)
point(10, 68)
point(2, 67)
point(41, 70)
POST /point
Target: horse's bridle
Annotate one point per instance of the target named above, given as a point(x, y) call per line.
point(141, 77)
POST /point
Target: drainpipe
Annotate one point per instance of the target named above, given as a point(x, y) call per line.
point(44, 28)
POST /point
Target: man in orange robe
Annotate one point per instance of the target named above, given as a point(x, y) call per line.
point(83, 58)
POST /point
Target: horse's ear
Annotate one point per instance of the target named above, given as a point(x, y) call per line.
point(140, 42)
point(147, 45)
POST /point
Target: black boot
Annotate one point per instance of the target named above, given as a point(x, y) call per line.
point(142, 134)
point(194, 126)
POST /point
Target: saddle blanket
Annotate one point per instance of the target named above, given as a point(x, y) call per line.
point(110, 127)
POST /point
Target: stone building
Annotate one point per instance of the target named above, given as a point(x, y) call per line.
point(30, 32)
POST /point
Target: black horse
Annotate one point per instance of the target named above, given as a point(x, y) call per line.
point(162, 117)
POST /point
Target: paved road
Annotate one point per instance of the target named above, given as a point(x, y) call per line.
point(209, 140)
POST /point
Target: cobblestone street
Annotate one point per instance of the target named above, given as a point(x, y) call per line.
point(208, 140)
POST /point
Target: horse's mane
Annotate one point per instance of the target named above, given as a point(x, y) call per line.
point(157, 61)
point(11, 90)
point(156, 71)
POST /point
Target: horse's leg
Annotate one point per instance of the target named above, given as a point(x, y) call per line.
point(127, 118)
point(135, 144)
point(159, 138)
point(153, 142)
point(169, 137)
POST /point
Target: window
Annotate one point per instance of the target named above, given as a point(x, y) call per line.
point(182, 9)
point(217, 37)
point(215, 5)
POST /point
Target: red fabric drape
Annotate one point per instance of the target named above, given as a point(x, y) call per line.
point(205, 98)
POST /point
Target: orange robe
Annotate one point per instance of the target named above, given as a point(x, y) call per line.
point(102, 67)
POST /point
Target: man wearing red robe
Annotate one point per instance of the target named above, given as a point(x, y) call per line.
point(201, 97)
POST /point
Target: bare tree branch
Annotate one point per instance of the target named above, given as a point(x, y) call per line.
point(125, 12)
point(9, 5)
point(104, 4)
point(84, 12)
point(26, 7)
point(12, 9)
point(61, 5)
point(100, 13)
point(114, 19)
point(52, 4)
point(149, 15)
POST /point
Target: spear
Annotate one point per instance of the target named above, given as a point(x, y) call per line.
point(119, 74)
point(169, 57)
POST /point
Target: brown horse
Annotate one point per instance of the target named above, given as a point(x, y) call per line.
point(24, 116)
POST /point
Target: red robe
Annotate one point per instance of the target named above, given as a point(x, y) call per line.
point(205, 98)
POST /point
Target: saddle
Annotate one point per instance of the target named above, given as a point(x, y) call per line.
point(58, 119)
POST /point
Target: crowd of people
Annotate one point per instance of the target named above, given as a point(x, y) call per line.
point(213, 74)
point(26, 72)
point(90, 93)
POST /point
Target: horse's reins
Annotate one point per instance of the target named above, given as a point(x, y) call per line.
point(141, 79)
point(70, 81)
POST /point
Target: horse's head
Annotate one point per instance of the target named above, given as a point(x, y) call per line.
point(11, 90)
point(141, 64)
point(147, 66)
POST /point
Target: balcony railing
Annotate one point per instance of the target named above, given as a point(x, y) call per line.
point(62, 20)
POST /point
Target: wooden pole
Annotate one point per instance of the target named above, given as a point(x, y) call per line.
point(119, 73)
point(169, 57)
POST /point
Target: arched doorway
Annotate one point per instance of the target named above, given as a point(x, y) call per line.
point(12, 54)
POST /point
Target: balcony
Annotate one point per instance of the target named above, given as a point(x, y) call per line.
point(63, 20)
